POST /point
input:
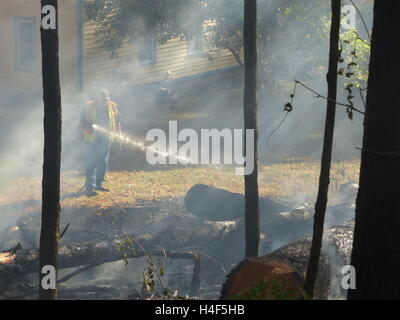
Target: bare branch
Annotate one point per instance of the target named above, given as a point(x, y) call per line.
point(326, 98)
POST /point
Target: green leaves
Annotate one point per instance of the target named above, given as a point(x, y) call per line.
point(149, 282)
point(350, 97)
point(125, 248)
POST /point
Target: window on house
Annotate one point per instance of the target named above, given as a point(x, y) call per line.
point(147, 51)
point(25, 43)
point(195, 44)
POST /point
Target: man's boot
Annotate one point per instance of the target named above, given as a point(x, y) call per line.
point(101, 188)
point(91, 193)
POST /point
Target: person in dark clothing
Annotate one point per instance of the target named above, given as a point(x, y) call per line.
point(103, 112)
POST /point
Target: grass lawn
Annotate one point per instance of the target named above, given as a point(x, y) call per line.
point(128, 188)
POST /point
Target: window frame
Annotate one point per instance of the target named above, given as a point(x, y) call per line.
point(154, 48)
point(17, 21)
point(195, 52)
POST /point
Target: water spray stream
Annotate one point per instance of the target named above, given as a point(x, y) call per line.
point(126, 140)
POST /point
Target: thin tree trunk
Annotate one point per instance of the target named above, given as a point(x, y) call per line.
point(376, 243)
point(236, 55)
point(322, 198)
point(252, 212)
point(50, 229)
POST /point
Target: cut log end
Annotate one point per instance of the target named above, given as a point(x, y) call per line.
point(261, 279)
point(7, 258)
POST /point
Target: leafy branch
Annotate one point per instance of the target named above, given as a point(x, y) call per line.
point(148, 274)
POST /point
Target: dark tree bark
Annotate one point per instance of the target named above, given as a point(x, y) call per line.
point(50, 229)
point(324, 178)
point(376, 244)
point(252, 212)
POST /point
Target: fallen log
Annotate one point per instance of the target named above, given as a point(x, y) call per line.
point(25, 261)
point(195, 282)
point(14, 266)
point(108, 250)
point(219, 205)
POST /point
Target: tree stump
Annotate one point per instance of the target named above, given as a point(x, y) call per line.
point(263, 279)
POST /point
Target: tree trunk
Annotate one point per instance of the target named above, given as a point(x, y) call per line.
point(50, 228)
point(252, 214)
point(322, 198)
point(376, 243)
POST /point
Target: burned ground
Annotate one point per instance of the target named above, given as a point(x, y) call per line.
point(150, 205)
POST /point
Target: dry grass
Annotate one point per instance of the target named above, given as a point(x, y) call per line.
point(296, 179)
point(127, 188)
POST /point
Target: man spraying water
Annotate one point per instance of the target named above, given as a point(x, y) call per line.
point(103, 112)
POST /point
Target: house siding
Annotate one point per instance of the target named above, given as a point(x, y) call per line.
point(126, 70)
